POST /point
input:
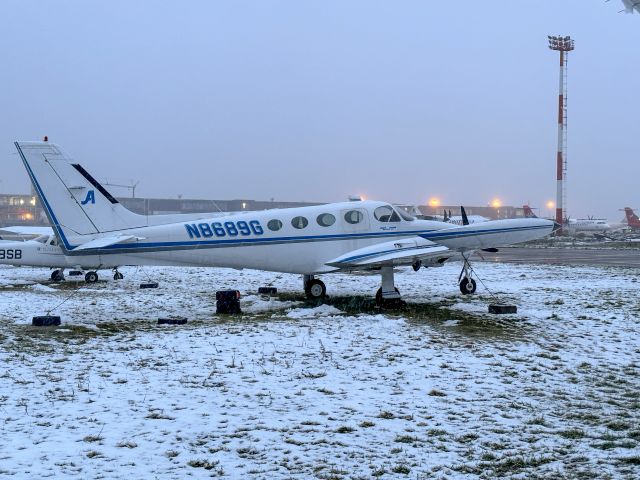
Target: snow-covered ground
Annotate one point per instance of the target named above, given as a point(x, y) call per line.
point(440, 390)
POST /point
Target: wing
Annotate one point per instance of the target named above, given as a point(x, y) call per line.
point(398, 252)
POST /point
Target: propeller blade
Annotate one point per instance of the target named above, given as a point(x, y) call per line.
point(465, 219)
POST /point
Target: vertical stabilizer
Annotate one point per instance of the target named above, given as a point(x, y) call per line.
point(632, 219)
point(528, 213)
point(78, 207)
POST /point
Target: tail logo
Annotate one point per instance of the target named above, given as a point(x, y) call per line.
point(91, 197)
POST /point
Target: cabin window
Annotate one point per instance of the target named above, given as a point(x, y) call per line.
point(353, 217)
point(326, 219)
point(386, 214)
point(274, 225)
point(299, 222)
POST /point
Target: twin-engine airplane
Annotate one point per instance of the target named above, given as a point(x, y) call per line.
point(92, 227)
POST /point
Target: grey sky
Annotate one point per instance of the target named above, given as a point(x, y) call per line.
point(316, 100)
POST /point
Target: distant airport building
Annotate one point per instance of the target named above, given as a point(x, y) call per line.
point(26, 210)
point(18, 210)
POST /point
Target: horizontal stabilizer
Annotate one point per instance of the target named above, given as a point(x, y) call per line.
point(399, 252)
point(106, 241)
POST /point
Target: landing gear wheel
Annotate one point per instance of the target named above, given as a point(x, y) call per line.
point(315, 289)
point(91, 277)
point(381, 301)
point(57, 276)
point(117, 275)
point(467, 286)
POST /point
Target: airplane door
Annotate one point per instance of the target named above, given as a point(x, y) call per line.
point(354, 220)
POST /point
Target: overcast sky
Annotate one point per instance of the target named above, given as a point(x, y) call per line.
point(317, 100)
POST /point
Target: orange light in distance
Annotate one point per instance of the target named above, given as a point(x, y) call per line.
point(551, 204)
point(496, 203)
point(434, 202)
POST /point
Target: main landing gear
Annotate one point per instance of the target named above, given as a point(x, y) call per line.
point(314, 288)
point(58, 275)
point(388, 296)
point(467, 284)
point(91, 277)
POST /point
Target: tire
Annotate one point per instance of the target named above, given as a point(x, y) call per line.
point(118, 276)
point(315, 289)
point(468, 286)
point(57, 276)
point(379, 299)
point(91, 277)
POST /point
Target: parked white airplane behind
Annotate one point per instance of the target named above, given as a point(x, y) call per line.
point(91, 224)
point(587, 225)
point(24, 232)
point(464, 219)
point(44, 251)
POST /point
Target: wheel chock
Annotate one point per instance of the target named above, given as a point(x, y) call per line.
point(501, 309)
point(267, 290)
point(46, 321)
point(172, 321)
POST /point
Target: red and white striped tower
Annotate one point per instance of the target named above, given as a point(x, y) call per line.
point(563, 45)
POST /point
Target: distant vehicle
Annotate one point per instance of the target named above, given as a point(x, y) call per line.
point(633, 222)
point(92, 226)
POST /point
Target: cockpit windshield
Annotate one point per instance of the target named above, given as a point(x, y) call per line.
point(42, 239)
point(386, 214)
point(405, 215)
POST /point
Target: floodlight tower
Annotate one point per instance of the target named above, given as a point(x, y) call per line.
point(563, 45)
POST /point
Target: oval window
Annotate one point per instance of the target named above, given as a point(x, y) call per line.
point(326, 219)
point(274, 225)
point(353, 216)
point(299, 222)
point(386, 214)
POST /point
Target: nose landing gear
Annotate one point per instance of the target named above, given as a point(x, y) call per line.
point(466, 283)
point(57, 275)
point(91, 277)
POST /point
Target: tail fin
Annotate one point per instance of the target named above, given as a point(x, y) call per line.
point(632, 219)
point(528, 213)
point(76, 204)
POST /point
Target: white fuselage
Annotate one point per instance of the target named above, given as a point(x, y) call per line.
point(249, 240)
point(588, 225)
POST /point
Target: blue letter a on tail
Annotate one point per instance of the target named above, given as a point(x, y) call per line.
point(89, 198)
